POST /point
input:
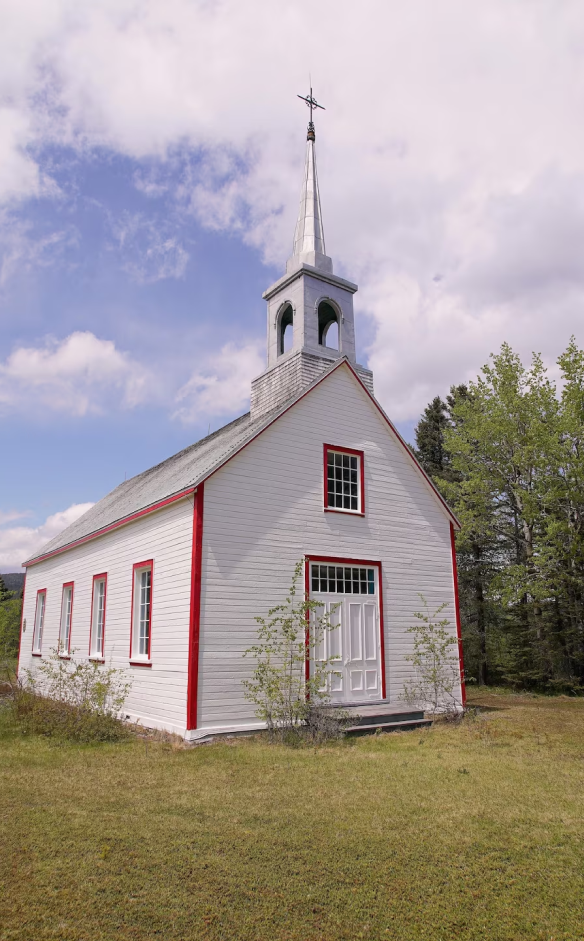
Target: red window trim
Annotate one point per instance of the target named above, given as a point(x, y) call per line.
point(149, 563)
point(71, 585)
point(138, 663)
point(195, 611)
point(338, 560)
point(361, 456)
point(95, 579)
point(41, 591)
point(457, 610)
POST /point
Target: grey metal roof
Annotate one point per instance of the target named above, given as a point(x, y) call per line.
point(177, 473)
point(187, 469)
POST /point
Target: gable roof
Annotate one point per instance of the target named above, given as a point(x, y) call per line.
point(179, 475)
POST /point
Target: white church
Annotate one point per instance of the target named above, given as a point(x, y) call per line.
point(164, 576)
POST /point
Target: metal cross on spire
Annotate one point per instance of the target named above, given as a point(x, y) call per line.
point(313, 105)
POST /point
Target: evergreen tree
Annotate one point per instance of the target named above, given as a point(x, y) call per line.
point(4, 593)
point(518, 486)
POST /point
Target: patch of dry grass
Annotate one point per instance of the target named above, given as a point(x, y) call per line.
point(472, 831)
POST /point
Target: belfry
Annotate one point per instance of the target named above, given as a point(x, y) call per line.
point(310, 309)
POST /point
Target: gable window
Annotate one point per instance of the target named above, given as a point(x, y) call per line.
point(344, 487)
point(39, 621)
point(97, 630)
point(66, 617)
point(141, 612)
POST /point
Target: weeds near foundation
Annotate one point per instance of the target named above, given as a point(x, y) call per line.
point(72, 701)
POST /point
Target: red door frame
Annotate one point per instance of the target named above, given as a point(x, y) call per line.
point(335, 560)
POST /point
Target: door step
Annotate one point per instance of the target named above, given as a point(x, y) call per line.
point(385, 717)
point(396, 725)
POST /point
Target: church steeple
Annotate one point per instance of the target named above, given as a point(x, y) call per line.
point(309, 247)
point(310, 310)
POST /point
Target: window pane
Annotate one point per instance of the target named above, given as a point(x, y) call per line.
point(66, 611)
point(343, 580)
point(145, 582)
point(99, 622)
point(342, 481)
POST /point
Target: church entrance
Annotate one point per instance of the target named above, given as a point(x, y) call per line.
point(350, 595)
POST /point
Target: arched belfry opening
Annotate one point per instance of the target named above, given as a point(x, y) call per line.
point(285, 329)
point(328, 326)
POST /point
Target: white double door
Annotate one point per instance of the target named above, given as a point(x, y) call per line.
point(353, 645)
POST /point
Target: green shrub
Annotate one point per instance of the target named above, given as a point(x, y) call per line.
point(76, 701)
point(436, 669)
point(291, 704)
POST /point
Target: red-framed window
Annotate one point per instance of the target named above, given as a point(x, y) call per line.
point(98, 606)
point(66, 619)
point(344, 480)
point(141, 631)
point(39, 621)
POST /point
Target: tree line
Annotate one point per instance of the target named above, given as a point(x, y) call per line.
point(10, 612)
point(507, 453)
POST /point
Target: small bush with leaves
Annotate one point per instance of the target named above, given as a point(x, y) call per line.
point(79, 701)
point(286, 700)
point(435, 687)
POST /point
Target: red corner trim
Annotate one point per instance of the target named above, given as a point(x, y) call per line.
point(116, 525)
point(142, 565)
point(457, 609)
point(361, 456)
point(338, 560)
point(195, 612)
point(21, 623)
point(96, 578)
point(70, 585)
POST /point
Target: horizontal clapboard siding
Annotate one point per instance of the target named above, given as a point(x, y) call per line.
point(264, 511)
point(158, 696)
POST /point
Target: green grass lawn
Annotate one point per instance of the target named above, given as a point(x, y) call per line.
point(472, 831)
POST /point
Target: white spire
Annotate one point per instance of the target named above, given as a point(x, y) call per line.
point(309, 245)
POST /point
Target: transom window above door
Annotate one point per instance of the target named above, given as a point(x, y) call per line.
point(345, 580)
point(344, 480)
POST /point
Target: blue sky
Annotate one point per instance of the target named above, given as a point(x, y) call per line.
point(150, 164)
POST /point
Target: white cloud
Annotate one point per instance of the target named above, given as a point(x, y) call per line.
point(79, 375)
point(19, 250)
point(450, 153)
point(223, 387)
point(11, 515)
point(149, 252)
point(20, 543)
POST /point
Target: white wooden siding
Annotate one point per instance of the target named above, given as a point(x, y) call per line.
point(158, 696)
point(264, 511)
